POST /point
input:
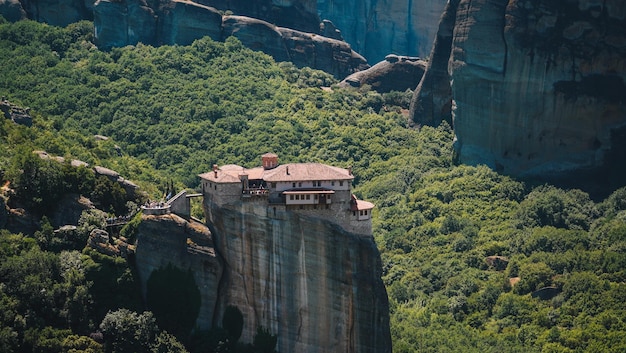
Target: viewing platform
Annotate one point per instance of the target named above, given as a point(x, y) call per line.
point(156, 208)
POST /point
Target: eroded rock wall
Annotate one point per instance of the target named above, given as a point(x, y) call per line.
point(537, 87)
point(181, 22)
point(377, 28)
point(169, 239)
point(316, 286)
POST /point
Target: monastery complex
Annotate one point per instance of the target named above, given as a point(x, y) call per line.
point(313, 189)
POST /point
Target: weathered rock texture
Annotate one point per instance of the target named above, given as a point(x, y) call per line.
point(69, 209)
point(537, 87)
point(395, 73)
point(300, 15)
point(54, 12)
point(169, 239)
point(373, 28)
point(377, 28)
point(181, 22)
point(316, 286)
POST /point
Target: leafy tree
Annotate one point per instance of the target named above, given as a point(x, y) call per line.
point(264, 341)
point(126, 331)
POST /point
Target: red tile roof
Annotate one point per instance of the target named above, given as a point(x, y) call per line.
point(287, 172)
point(306, 172)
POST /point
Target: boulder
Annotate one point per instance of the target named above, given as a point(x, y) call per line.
point(537, 87)
point(395, 73)
point(498, 263)
point(17, 114)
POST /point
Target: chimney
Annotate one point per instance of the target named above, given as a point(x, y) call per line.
point(350, 170)
point(215, 170)
point(287, 167)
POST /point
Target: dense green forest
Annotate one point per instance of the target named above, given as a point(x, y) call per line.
point(464, 248)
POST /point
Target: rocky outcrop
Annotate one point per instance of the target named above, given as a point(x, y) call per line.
point(377, 28)
point(308, 281)
point(300, 15)
point(54, 12)
point(69, 209)
point(373, 28)
point(12, 10)
point(395, 73)
point(537, 87)
point(181, 22)
point(169, 239)
point(432, 100)
point(17, 114)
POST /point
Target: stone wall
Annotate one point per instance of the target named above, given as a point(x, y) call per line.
point(308, 281)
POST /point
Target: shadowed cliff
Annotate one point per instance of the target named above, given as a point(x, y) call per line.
point(534, 88)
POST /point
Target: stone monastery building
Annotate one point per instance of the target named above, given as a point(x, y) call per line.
point(313, 189)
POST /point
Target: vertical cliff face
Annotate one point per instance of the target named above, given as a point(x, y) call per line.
point(169, 239)
point(57, 12)
point(537, 87)
point(377, 28)
point(120, 23)
point(316, 286)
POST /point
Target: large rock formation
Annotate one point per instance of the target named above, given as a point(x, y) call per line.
point(181, 22)
point(377, 28)
point(537, 87)
point(316, 286)
point(373, 28)
point(395, 73)
point(311, 283)
point(300, 15)
point(54, 12)
point(169, 239)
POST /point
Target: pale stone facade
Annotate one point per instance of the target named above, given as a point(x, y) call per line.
point(312, 189)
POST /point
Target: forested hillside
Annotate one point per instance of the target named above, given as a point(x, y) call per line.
point(464, 248)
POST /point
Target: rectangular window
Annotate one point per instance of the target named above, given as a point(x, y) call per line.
point(361, 212)
point(290, 197)
point(332, 183)
point(293, 185)
point(299, 185)
point(366, 212)
point(308, 197)
point(273, 185)
point(341, 183)
point(354, 213)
